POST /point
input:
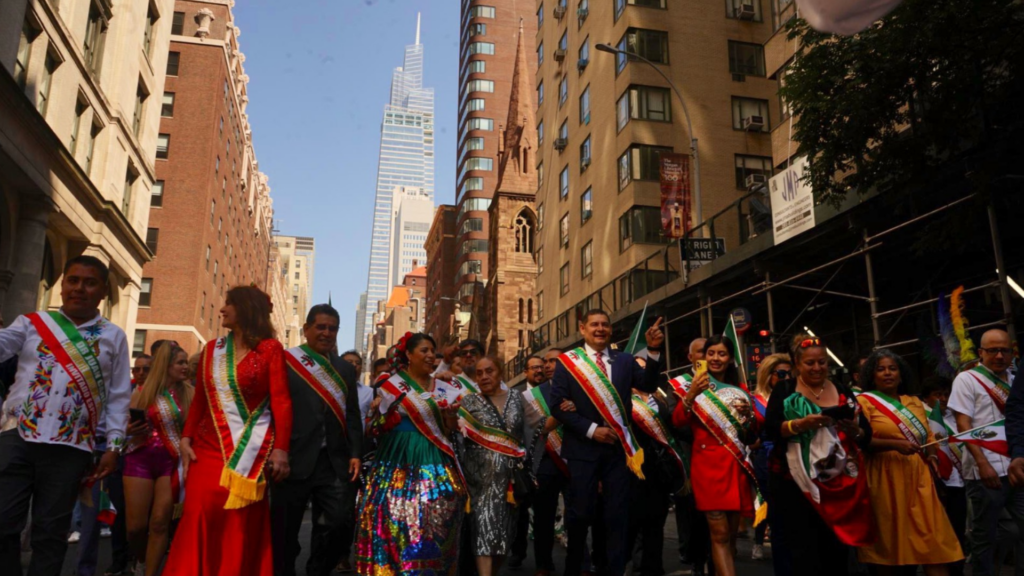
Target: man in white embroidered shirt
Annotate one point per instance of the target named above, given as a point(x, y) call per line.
point(979, 397)
point(70, 396)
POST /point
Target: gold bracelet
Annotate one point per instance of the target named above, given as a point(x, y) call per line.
point(789, 425)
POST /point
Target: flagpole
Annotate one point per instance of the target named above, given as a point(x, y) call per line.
point(961, 433)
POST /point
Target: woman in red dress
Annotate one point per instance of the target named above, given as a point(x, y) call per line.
point(236, 435)
point(721, 487)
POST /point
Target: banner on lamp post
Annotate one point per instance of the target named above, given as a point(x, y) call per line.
point(675, 194)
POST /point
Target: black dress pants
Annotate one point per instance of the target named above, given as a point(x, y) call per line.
point(48, 476)
point(522, 539)
point(609, 472)
point(288, 501)
point(545, 510)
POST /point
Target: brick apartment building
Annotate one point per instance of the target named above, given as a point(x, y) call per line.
point(440, 282)
point(210, 222)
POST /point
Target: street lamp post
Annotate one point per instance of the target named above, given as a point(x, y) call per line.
point(689, 125)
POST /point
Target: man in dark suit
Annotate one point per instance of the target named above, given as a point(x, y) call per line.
point(594, 450)
point(324, 454)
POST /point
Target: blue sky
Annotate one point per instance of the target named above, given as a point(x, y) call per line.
point(320, 72)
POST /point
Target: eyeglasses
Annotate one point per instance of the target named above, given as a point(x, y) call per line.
point(536, 368)
point(469, 352)
point(811, 343)
point(997, 351)
point(783, 374)
point(332, 328)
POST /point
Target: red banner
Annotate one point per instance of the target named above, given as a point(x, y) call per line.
point(675, 194)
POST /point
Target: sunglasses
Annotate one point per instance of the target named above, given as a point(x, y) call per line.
point(783, 373)
point(469, 353)
point(811, 343)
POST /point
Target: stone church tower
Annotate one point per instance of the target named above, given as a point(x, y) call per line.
point(510, 298)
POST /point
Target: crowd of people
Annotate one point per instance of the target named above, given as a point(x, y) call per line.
point(439, 467)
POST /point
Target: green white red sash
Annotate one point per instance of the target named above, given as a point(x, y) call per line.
point(246, 436)
point(489, 437)
point(909, 425)
point(680, 384)
point(317, 371)
point(996, 388)
point(467, 384)
point(76, 357)
point(607, 401)
point(649, 423)
point(724, 424)
point(553, 442)
point(168, 421)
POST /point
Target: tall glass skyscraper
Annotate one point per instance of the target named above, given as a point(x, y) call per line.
point(406, 161)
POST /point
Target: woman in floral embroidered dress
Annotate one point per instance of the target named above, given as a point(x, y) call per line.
point(225, 530)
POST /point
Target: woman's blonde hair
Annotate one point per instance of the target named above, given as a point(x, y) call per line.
point(156, 383)
point(765, 371)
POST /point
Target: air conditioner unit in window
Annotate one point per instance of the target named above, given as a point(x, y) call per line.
point(559, 55)
point(582, 64)
point(745, 11)
point(753, 123)
point(559, 12)
point(755, 181)
point(561, 143)
point(582, 13)
point(585, 163)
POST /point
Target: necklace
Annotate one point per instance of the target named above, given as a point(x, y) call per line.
point(818, 393)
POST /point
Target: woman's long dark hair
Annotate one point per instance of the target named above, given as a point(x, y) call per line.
point(252, 314)
point(867, 371)
point(732, 373)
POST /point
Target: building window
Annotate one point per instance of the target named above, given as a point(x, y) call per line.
point(474, 104)
point(481, 12)
point(28, 35)
point(587, 260)
point(563, 279)
point(563, 230)
point(473, 184)
point(748, 165)
point(563, 90)
point(640, 162)
point(470, 267)
point(163, 144)
point(475, 144)
point(147, 35)
point(146, 292)
point(126, 198)
point(584, 55)
point(76, 128)
point(540, 54)
point(585, 155)
point(640, 225)
point(173, 59)
point(140, 105)
point(744, 10)
point(473, 246)
point(157, 197)
point(540, 93)
point(540, 16)
point(620, 5)
point(746, 58)
point(585, 106)
point(540, 260)
point(43, 95)
point(644, 103)
point(484, 164)
point(649, 44)
point(540, 132)
point(485, 124)
point(563, 183)
point(563, 42)
point(586, 206)
point(582, 12)
point(178, 24)
point(540, 305)
point(478, 29)
point(747, 113)
point(152, 239)
point(139, 343)
point(208, 250)
point(523, 226)
point(481, 48)
point(479, 86)
point(90, 149)
point(95, 34)
point(167, 106)
point(472, 225)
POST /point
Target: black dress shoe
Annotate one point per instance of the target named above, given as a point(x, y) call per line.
point(515, 561)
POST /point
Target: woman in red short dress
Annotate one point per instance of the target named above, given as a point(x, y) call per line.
point(235, 441)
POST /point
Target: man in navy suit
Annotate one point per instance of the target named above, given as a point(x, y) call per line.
point(595, 452)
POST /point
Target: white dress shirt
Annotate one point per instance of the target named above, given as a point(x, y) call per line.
point(365, 399)
point(970, 399)
point(46, 406)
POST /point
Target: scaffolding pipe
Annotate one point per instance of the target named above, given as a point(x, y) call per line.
point(706, 318)
point(876, 332)
point(853, 254)
point(916, 340)
point(1004, 286)
point(934, 300)
point(913, 220)
point(771, 309)
point(832, 292)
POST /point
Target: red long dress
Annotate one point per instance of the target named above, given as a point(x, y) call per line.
point(719, 483)
point(212, 541)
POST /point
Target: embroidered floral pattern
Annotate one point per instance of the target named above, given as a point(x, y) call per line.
point(39, 393)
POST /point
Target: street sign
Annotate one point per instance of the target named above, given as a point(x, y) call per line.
point(741, 319)
point(703, 249)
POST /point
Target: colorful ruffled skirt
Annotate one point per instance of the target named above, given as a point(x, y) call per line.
point(411, 510)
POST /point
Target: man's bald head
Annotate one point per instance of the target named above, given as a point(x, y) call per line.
point(996, 350)
point(697, 349)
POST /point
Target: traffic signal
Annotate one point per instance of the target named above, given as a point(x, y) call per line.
point(764, 333)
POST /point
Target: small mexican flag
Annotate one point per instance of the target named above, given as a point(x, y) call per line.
point(633, 346)
point(990, 436)
point(941, 432)
point(107, 513)
point(737, 351)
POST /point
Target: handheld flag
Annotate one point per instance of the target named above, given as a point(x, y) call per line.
point(949, 455)
point(107, 512)
point(737, 351)
point(635, 337)
point(990, 436)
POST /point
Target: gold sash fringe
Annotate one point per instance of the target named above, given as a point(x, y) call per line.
point(242, 491)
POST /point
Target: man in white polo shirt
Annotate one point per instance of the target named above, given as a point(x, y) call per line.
point(979, 397)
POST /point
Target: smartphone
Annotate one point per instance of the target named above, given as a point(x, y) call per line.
point(841, 412)
point(137, 415)
point(700, 367)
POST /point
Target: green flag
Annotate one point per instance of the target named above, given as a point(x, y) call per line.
point(737, 351)
point(637, 335)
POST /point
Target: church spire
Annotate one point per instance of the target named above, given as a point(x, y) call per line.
point(517, 170)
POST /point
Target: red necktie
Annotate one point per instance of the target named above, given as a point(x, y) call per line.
point(599, 360)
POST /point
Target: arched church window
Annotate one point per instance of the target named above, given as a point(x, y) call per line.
point(523, 227)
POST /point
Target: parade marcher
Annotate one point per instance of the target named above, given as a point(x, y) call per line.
point(722, 477)
point(534, 378)
point(236, 439)
point(773, 369)
point(325, 450)
point(152, 465)
point(410, 513)
point(912, 527)
point(823, 500)
point(599, 441)
point(492, 423)
point(979, 398)
point(70, 397)
point(664, 472)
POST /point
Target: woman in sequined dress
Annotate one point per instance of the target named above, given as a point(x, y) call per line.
point(225, 529)
point(151, 479)
point(411, 511)
point(489, 472)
